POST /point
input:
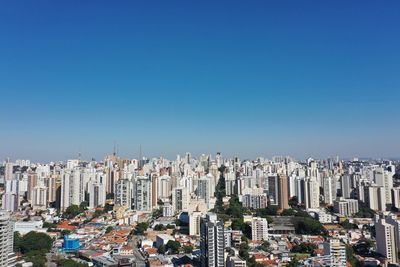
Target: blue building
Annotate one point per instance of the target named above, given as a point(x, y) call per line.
point(70, 245)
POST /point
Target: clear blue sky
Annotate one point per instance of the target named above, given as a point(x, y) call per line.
point(301, 78)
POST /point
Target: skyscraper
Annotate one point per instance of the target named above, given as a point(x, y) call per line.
point(10, 199)
point(72, 188)
point(311, 193)
point(123, 193)
point(6, 238)
point(386, 240)
point(97, 195)
point(142, 193)
point(273, 186)
point(180, 199)
point(8, 171)
point(211, 241)
point(283, 202)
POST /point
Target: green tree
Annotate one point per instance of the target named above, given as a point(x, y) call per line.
point(109, 229)
point(35, 241)
point(97, 213)
point(288, 212)
point(308, 226)
point(159, 227)
point(72, 211)
point(49, 225)
point(37, 258)
point(235, 209)
point(17, 241)
point(157, 213)
point(170, 226)
point(237, 223)
point(83, 206)
point(293, 263)
point(108, 207)
point(65, 232)
point(162, 249)
point(141, 228)
point(271, 210)
point(188, 249)
point(304, 248)
point(347, 225)
point(244, 251)
point(220, 191)
point(293, 202)
point(265, 246)
point(351, 258)
point(173, 246)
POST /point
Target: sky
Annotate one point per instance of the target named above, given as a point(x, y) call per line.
point(247, 78)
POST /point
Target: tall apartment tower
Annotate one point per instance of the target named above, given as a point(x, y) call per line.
point(337, 252)
point(8, 171)
point(329, 186)
point(384, 178)
point(311, 193)
point(10, 200)
point(273, 188)
point(72, 188)
point(6, 238)
point(283, 195)
point(180, 199)
point(97, 195)
point(123, 193)
point(386, 241)
point(211, 241)
point(393, 220)
point(259, 229)
point(142, 193)
point(203, 190)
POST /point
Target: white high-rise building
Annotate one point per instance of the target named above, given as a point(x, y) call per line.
point(393, 220)
point(384, 178)
point(97, 195)
point(39, 197)
point(346, 207)
point(396, 197)
point(337, 252)
point(312, 193)
point(212, 241)
point(10, 200)
point(345, 185)
point(259, 229)
point(194, 223)
point(123, 193)
point(374, 197)
point(142, 193)
point(180, 199)
point(329, 190)
point(72, 188)
point(386, 241)
point(164, 187)
point(6, 238)
point(8, 171)
point(203, 189)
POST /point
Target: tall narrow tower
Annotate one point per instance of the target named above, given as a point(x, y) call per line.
point(211, 241)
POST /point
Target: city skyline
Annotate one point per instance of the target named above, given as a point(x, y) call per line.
point(310, 79)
